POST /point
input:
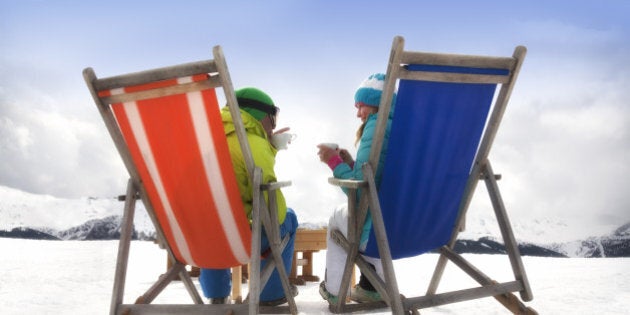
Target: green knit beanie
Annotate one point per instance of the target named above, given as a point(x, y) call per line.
point(256, 102)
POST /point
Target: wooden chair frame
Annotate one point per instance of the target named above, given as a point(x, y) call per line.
point(264, 214)
point(482, 169)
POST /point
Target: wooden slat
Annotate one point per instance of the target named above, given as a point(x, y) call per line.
point(411, 57)
point(160, 92)
point(275, 185)
point(509, 300)
point(159, 74)
point(466, 266)
point(452, 77)
point(314, 240)
point(442, 298)
point(306, 235)
point(461, 295)
point(507, 233)
point(199, 309)
point(347, 183)
point(161, 284)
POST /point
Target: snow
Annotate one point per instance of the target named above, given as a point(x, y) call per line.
point(76, 277)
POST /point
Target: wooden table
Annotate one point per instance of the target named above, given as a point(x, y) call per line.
point(307, 242)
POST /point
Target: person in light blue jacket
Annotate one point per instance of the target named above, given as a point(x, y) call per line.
point(367, 99)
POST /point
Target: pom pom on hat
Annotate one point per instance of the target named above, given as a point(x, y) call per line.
point(255, 102)
point(370, 90)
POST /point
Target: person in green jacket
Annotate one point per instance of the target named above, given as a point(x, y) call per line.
point(367, 100)
point(259, 114)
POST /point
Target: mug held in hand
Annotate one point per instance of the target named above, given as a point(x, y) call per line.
point(281, 141)
point(331, 145)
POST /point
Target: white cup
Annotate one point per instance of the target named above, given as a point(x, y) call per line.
point(331, 145)
point(281, 141)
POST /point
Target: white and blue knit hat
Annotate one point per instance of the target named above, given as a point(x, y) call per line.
point(370, 90)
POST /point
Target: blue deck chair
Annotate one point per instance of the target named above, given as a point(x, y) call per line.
point(444, 123)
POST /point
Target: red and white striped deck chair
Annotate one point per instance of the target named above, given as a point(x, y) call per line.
point(167, 127)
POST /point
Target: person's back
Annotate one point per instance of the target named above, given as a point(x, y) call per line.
point(264, 155)
point(258, 114)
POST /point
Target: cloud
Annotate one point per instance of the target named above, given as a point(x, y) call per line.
point(45, 151)
point(555, 33)
point(567, 156)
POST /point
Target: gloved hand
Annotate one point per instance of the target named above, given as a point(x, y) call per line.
point(325, 153)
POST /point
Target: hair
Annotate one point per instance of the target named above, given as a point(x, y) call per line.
point(359, 133)
point(360, 130)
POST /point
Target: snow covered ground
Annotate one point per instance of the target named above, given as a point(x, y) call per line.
point(75, 277)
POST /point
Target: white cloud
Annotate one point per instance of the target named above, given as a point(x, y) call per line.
point(47, 152)
point(568, 161)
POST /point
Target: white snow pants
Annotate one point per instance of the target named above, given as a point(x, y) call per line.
point(336, 256)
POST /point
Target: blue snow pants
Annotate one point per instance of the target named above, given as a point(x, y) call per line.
point(217, 283)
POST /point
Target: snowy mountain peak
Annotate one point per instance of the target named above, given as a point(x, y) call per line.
point(623, 231)
point(99, 218)
point(23, 209)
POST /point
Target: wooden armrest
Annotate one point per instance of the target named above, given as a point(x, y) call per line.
point(347, 183)
point(275, 185)
point(496, 177)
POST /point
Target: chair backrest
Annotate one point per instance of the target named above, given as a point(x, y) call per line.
point(441, 132)
point(167, 126)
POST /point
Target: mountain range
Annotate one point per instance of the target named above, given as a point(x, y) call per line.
point(43, 217)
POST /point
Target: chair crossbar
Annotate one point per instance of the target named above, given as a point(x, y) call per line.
point(275, 185)
point(466, 266)
point(461, 295)
point(196, 309)
point(161, 284)
point(410, 57)
point(159, 74)
point(210, 83)
point(347, 183)
point(377, 282)
point(452, 77)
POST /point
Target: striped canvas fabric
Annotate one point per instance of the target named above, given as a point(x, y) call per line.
point(178, 145)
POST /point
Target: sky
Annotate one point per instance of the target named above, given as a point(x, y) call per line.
point(563, 147)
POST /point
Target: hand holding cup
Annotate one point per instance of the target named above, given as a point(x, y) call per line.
point(327, 151)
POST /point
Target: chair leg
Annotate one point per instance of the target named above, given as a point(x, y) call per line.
point(509, 240)
point(254, 271)
point(124, 244)
point(293, 277)
point(190, 286)
point(383, 245)
point(178, 269)
point(437, 275)
point(237, 276)
point(351, 249)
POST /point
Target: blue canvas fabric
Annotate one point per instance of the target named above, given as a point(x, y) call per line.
point(433, 141)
